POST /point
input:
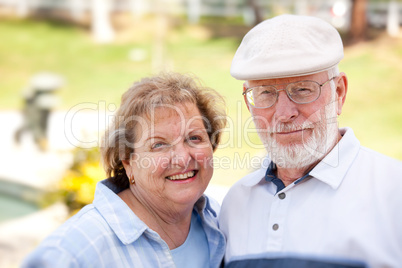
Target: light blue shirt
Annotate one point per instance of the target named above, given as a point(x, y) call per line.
point(347, 211)
point(107, 233)
point(195, 251)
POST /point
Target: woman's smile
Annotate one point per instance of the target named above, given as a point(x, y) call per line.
point(183, 177)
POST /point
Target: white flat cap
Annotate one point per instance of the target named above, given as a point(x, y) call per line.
point(286, 46)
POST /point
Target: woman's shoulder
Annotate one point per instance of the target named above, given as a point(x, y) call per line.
point(207, 206)
point(84, 226)
point(73, 238)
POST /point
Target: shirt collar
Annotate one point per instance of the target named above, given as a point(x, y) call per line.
point(271, 177)
point(257, 176)
point(333, 168)
point(270, 173)
point(203, 204)
point(113, 209)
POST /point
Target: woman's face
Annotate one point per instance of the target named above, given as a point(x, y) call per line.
point(172, 160)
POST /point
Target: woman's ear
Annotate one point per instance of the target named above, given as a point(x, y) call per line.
point(341, 83)
point(126, 164)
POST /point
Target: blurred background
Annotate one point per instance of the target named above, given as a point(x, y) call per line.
point(64, 65)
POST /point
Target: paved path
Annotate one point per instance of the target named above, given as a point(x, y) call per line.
point(27, 165)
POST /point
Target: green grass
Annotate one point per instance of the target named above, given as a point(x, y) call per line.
point(373, 105)
point(92, 72)
point(103, 72)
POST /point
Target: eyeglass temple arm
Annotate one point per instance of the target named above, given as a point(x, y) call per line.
point(244, 95)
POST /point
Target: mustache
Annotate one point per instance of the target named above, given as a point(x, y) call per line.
point(289, 127)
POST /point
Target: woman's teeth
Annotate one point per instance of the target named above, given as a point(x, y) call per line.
point(181, 176)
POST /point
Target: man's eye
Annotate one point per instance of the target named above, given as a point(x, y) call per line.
point(303, 90)
point(265, 90)
point(266, 93)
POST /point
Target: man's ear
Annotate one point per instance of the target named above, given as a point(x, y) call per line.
point(245, 98)
point(341, 83)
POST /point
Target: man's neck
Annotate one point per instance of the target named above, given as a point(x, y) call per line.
point(290, 175)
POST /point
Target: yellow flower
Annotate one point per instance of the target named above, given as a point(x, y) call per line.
point(79, 182)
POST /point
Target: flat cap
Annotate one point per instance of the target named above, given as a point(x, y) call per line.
point(287, 46)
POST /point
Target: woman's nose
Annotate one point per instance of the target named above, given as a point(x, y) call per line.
point(181, 155)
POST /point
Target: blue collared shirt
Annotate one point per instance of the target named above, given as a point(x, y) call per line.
point(107, 233)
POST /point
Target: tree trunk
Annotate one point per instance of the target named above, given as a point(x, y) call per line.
point(102, 28)
point(358, 29)
point(258, 17)
point(393, 19)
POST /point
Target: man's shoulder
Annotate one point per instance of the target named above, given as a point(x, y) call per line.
point(376, 160)
point(250, 180)
point(367, 156)
point(378, 170)
point(380, 156)
point(242, 187)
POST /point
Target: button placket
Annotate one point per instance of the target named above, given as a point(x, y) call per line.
point(278, 214)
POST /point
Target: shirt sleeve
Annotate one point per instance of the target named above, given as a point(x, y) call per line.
point(50, 257)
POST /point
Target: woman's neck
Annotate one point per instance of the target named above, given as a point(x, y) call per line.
point(171, 224)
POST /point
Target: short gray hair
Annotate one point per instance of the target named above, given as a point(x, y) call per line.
point(333, 72)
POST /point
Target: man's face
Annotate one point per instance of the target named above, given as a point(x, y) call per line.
point(297, 135)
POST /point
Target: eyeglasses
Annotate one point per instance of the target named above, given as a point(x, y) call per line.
point(300, 92)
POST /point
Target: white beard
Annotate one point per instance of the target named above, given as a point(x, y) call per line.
point(299, 155)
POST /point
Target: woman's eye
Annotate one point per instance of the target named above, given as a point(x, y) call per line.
point(195, 139)
point(158, 145)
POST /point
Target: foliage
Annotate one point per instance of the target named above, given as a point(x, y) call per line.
point(77, 187)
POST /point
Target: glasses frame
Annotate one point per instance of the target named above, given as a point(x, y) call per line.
point(247, 90)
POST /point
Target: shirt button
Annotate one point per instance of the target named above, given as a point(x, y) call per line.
point(282, 196)
point(275, 227)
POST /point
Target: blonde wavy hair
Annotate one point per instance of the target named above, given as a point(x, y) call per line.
point(140, 100)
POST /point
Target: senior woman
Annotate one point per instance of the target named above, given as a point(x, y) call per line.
point(151, 211)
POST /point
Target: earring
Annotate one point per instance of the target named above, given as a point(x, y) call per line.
point(132, 179)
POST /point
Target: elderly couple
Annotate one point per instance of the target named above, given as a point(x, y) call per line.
point(321, 199)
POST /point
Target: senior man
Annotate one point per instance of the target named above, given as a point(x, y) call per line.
point(320, 199)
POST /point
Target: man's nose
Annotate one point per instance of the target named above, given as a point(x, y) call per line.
point(285, 109)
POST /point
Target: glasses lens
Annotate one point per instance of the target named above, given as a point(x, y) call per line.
point(304, 91)
point(262, 96)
